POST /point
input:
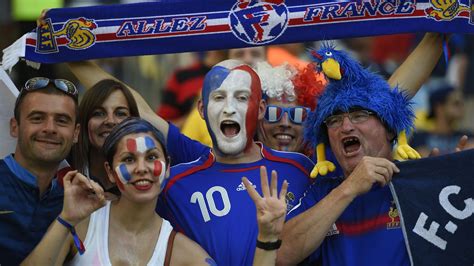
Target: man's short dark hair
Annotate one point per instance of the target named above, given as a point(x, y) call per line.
point(51, 90)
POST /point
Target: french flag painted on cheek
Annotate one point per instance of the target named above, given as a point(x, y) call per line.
point(140, 144)
point(123, 173)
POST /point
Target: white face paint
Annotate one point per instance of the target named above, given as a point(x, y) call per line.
point(227, 111)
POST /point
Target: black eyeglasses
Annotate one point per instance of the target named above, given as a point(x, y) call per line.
point(296, 114)
point(63, 85)
point(355, 117)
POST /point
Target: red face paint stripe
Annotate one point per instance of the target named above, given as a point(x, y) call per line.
point(157, 168)
point(131, 145)
point(117, 181)
point(251, 117)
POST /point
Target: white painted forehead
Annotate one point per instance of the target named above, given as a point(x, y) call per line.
point(236, 80)
point(230, 63)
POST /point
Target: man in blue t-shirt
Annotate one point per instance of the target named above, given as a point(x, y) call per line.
point(352, 219)
point(206, 198)
point(45, 125)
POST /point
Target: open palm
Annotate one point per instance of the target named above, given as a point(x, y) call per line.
point(271, 208)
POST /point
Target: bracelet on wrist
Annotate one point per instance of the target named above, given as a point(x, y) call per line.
point(77, 241)
point(269, 245)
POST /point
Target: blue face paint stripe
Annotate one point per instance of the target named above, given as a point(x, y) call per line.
point(149, 143)
point(212, 81)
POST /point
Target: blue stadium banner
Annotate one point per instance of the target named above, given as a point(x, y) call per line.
point(435, 199)
point(73, 34)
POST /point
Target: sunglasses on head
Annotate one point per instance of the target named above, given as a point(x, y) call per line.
point(63, 85)
point(296, 114)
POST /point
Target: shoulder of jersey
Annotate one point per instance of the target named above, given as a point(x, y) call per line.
point(293, 158)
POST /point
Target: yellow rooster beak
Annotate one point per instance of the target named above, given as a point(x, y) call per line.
point(332, 69)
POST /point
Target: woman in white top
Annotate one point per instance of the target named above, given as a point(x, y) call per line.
point(126, 231)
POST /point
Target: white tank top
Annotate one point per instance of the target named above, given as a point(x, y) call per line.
point(96, 242)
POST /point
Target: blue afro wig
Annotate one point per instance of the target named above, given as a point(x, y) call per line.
point(358, 88)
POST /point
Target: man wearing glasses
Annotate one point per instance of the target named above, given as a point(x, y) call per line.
point(45, 125)
point(349, 220)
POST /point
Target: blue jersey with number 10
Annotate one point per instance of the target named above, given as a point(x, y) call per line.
point(207, 201)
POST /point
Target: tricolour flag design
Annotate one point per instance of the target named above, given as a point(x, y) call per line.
point(140, 144)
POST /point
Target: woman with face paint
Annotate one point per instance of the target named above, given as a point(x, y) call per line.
point(126, 231)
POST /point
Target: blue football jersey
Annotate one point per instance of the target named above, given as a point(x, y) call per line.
point(368, 232)
point(207, 201)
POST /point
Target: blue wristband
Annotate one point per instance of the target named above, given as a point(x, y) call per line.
point(77, 241)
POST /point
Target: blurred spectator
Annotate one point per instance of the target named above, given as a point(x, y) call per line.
point(445, 112)
point(183, 88)
point(250, 55)
point(292, 53)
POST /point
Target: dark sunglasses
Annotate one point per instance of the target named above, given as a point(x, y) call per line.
point(296, 114)
point(63, 85)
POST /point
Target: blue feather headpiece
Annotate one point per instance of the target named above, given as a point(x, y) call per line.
point(350, 85)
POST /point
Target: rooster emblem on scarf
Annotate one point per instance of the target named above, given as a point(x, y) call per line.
point(443, 10)
point(79, 33)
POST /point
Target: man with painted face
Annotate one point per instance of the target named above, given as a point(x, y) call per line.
point(206, 198)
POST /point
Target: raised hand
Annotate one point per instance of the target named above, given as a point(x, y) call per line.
point(271, 208)
point(82, 197)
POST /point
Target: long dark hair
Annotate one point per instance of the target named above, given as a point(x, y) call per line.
point(91, 100)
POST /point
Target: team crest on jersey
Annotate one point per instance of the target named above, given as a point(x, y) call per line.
point(445, 10)
point(289, 197)
point(258, 22)
point(394, 217)
point(78, 33)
